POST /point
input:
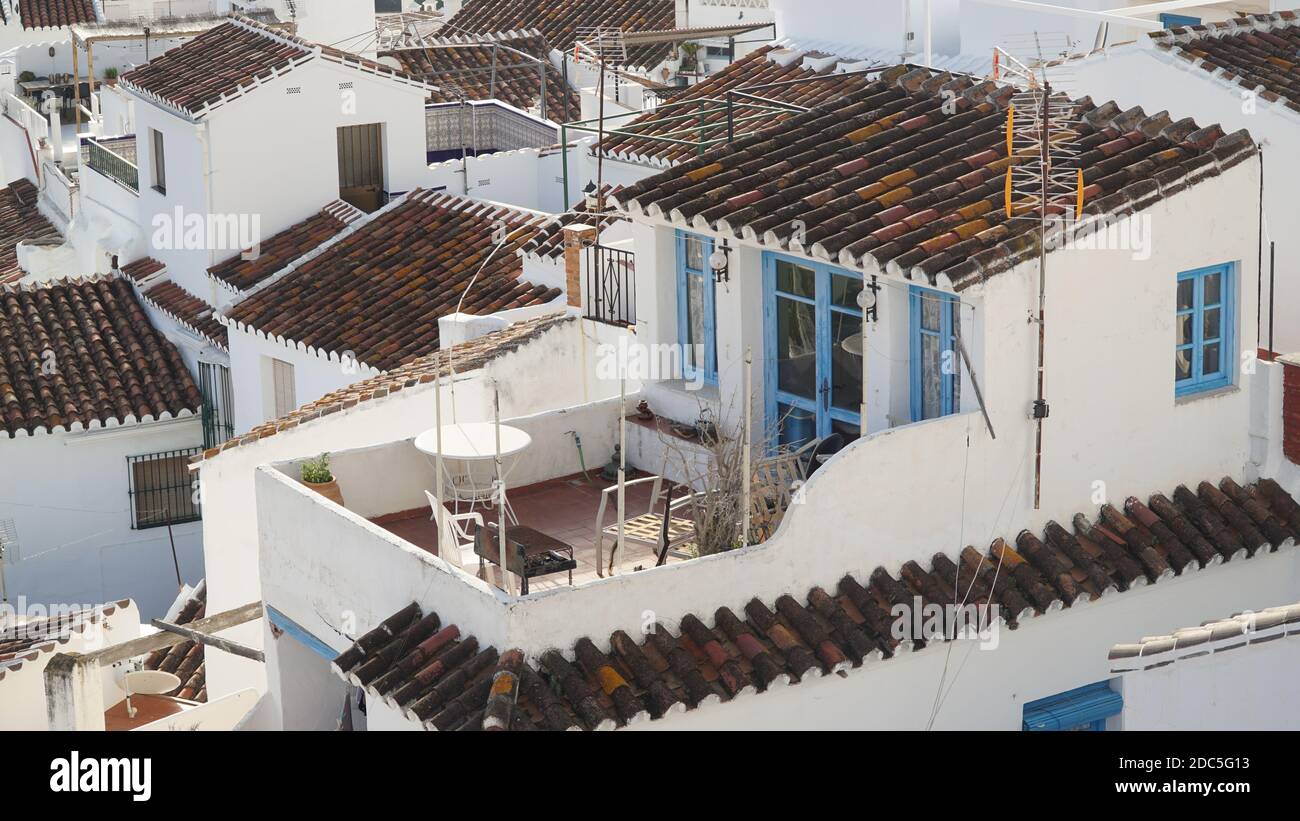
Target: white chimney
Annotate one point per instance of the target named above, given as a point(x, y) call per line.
point(454, 329)
point(683, 14)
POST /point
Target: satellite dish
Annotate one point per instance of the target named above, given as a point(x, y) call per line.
point(147, 683)
point(391, 62)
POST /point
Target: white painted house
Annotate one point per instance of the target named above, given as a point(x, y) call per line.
point(100, 418)
point(763, 246)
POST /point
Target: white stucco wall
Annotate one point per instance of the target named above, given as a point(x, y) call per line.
point(1243, 688)
point(68, 497)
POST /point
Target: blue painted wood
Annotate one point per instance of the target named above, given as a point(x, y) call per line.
point(947, 382)
point(710, 340)
point(1083, 708)
point(301, 634)
point(1222, 375)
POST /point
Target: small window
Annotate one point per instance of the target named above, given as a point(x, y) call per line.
point(159, 161)
point(161, 490)
point(282, 389)
point(1203, 329)
point(933, 353)
point(696, 313)
point(1083, 708)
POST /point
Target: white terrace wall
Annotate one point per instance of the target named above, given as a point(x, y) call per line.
point(1237, 688)
point(1133, 76)
point(67, 494)
point(526, 178)
point(22, 686)
point(546, 373)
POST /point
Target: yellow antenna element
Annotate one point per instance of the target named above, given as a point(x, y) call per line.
point(1007, 193)
point(1078, 203)
point(1011, 129)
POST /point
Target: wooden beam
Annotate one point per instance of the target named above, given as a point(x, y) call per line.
point(159, 641)
point(211, 641)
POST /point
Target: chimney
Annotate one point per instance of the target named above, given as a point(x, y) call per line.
point(576, 237)
point(1291, 407)
point(453, 329)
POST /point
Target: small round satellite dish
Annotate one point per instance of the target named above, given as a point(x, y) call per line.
point(391, 62)
point(150, 682)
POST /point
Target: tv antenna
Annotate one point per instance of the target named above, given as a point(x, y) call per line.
point(1044, 182)
point(600, 46)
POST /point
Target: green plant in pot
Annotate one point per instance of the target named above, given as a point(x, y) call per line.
point(110, 76)
point(316, 475)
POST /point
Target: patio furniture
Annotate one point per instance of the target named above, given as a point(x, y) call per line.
point(649, 527)
point(533, 552)
point(455, 542)
point(474, 444)
point(772, 490)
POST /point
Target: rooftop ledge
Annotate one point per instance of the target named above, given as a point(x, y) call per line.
point(325, 564)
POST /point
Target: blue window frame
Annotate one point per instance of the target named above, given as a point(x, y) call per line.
point(696, 307)
point(1172, 20)
point(813, 368)
point(933, 358)
point(1204, 328)
point(1083, 708)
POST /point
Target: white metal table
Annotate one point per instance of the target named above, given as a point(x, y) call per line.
point(474, 444)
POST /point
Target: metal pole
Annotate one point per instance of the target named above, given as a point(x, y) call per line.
point(1039, 409)
point(862, 406)
point(503, 552)
point(929, 57)
point(440, 508)
point(564, 159)
point(622, 465)
point(541, 69)
point(76, 83)
point(748, 443)
point(1272, 271)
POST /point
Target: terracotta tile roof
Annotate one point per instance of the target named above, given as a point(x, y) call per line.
point(83, 351)
point(379, 290)
point(226, 61)
point(142, 269)
point(560, 20)
point(19, 220)
point(1258, 51)
point(882, 179)
point(23, 641)
point(1241, 630)
point(469, 356)
point(37, 14)
point(186, 309)
point(549, 239)
point(441, 677)
point(185, 660)
point(466, 63)
point(274, 254)
point(757, 73)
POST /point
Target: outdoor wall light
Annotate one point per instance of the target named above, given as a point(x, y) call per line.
point(589, 196)
point(720, 263)
point(867, 299)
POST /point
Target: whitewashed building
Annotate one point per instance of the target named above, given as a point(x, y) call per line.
point(763, 246)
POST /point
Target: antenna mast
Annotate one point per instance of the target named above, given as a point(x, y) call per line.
point(1044, 183)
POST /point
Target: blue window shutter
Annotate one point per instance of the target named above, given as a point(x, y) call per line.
point(1174, 20)
point(1088, 706)
point(1220, 374)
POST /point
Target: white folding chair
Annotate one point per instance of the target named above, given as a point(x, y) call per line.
point(646, 528)
point(455, 543)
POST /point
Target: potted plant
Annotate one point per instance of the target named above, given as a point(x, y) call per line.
point(317, 476)
point(110, 76)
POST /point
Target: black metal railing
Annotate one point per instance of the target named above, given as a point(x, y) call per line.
point(113, 165)
point(611, 286)
point(161, 489)
point(218, 403)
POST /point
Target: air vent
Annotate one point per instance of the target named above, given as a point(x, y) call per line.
point(8, 540)
point(293, 90)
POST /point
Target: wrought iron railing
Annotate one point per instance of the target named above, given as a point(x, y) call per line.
point(218, 404)
point(113, 165)
point(611, 286)
point(161, 489)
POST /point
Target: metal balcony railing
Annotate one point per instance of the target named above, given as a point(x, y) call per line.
point(113, 165)
point(611, 286)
